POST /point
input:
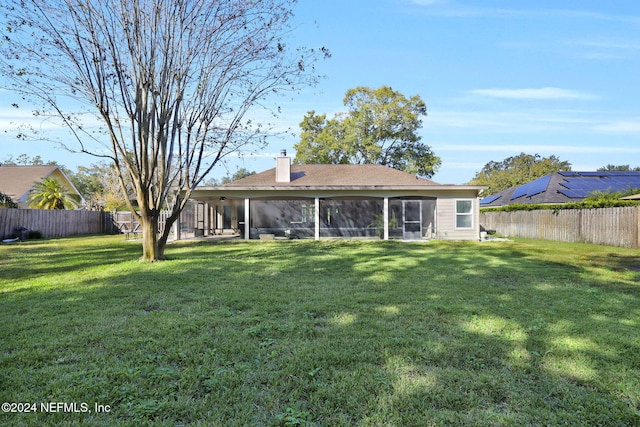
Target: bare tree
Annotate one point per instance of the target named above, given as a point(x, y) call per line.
point(171, 82)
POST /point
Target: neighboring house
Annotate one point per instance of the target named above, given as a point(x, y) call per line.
point(17, 181)
point(563, 187)
point(323, 201)
point(634, 197)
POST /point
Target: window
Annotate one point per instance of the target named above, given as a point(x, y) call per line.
point(464, 213)
point(308, 213)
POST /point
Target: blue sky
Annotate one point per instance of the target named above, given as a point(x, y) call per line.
point(498, 77)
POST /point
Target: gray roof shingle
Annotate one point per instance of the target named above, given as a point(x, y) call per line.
point(334, 175)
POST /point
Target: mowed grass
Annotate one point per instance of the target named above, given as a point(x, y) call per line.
point(330, 333)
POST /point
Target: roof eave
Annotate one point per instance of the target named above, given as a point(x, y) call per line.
point(439, 187)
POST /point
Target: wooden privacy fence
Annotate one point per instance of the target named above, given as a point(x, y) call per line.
point(63, 223)
point(55, 223)
point(126, 223)
point(604, 226)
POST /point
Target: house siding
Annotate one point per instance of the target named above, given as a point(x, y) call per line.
point(446, 217)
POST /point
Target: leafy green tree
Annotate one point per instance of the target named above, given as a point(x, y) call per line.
point(24, 159)
point(238, 174)
point(99, 186)
point(380, 127)
point(517, 170)
point(48, 193)
point(618, 168)
point(7, 202)
point(87, 179)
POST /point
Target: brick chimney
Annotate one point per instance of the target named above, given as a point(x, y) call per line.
point(283, 167)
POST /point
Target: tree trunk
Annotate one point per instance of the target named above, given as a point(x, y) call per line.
point(162, 241)
point(150, 250)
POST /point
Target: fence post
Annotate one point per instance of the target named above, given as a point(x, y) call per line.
point(636, 243)
point(176, 230)
point(580, 231)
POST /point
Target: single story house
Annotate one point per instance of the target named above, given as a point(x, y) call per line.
point(18, 181)
point(325, 201)
point(563, 187)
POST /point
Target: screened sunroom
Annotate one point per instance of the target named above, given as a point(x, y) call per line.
point(338, 201)
point(409, 219)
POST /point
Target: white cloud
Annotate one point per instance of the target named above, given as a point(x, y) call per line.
point(545, 93)
point(540, 148)
point(426, 2)
point(250, 154)
point(462, 165)
point(605, 49)
point(622, 126)
point(461, 10)
point(609, 44)
point(500, 122)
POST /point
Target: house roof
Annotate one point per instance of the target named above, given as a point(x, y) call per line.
point(334, 175)
point(17, 181)
point(563, 187)
point(333, 181)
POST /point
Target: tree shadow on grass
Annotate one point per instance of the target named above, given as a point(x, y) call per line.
point(42, 258)
point(349, 333)
point(534, 345)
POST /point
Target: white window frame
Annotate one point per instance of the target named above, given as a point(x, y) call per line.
point(308, 213)
point(469, 214)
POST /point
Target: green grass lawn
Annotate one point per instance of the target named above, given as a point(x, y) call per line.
point(330, 333)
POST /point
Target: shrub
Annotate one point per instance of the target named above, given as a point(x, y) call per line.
point(7, 202)
point(585, 204)
point(34, 234)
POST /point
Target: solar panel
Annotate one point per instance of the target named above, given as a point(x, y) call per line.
point(589, 182)
point(582, 189)
point(600, 174)
point(489, 199)
point(532, 188)
point(578, 185)
point(572, 193)
point(521, 191)
point(594, 173)
point(538, 186)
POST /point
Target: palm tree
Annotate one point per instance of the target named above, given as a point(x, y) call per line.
point(48, 193)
